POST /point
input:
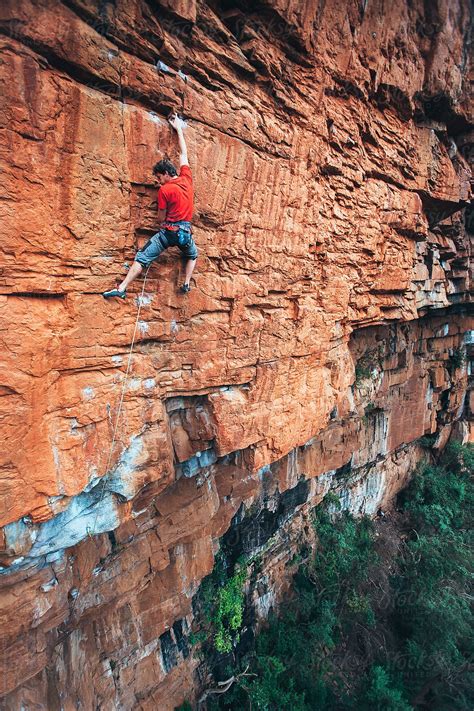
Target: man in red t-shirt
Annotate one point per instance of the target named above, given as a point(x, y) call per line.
point(175, 212)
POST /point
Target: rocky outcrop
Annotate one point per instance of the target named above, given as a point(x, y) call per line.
point(329, 328)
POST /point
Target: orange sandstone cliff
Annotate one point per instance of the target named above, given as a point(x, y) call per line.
point(328, 330)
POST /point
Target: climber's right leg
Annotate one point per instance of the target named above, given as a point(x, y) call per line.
point(121, 291)
point(134, 271)
point(143, 258)
point(190, 252)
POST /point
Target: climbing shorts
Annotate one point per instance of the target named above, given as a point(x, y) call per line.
point(179, 235)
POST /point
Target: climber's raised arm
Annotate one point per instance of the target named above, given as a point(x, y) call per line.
point(178, 125)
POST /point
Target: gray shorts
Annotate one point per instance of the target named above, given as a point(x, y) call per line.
point(161, 241)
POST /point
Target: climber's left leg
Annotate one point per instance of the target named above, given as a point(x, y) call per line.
point(190, 264)
point(134, 271)
point(191, 253)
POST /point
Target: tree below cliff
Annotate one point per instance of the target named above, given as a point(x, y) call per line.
point(381, 616)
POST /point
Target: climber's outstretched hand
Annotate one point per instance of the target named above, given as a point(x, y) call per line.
point(178, 125)
point(176, 122)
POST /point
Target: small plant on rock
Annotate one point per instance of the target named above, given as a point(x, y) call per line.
point(222, 600)
point(457, 358)
point(229, 610)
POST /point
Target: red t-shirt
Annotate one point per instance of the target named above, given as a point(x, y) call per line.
point(176, 196)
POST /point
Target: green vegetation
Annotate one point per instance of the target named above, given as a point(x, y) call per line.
point(457, 358)
point(362, 373)
point(222, 601)
point(433, 607)
point(367, 364)
point(375, 624)
point(427, 441)
point(228, 611)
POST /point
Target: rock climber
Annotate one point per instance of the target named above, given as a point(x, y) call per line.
point(175, 211)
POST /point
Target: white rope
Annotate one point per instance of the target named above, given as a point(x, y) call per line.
point(119, 411)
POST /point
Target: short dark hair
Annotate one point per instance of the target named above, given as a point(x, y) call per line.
point(165, 166)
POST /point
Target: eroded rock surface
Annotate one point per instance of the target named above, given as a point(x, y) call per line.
point(329, 328)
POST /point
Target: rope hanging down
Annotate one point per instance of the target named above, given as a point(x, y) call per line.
point(91, 531)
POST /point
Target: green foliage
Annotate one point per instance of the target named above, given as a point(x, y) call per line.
point(222, 601)
point(414, 650)
point(362, 373)
point(228, 611)
point(269, 693)
point(366, 365)
point(197, 637)
point(185, 706)
point(432, 604)
point(458, 458)
point(359, 605)
point(293, 654)
point(441, 497)
point(427, 441)
point(457, 358)
point(345, 551)
point(382, 694)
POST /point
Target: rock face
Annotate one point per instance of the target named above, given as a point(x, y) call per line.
point(329, 328)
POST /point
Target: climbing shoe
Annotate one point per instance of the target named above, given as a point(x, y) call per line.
point(114, 292)
point(185, 288)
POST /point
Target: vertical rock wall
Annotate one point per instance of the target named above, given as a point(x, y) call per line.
point(329, 328)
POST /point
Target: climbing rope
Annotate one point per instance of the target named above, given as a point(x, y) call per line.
point(91, 531)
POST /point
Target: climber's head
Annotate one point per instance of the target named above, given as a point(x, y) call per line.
point(164, 171)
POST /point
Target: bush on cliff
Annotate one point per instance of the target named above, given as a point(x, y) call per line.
point(367, 629)
point(221, 600)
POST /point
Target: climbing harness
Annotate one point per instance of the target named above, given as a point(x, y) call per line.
point(182, 230)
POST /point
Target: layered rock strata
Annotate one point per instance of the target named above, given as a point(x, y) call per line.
point(328, 330)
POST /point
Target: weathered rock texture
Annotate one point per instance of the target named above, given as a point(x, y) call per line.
point(328, 330)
